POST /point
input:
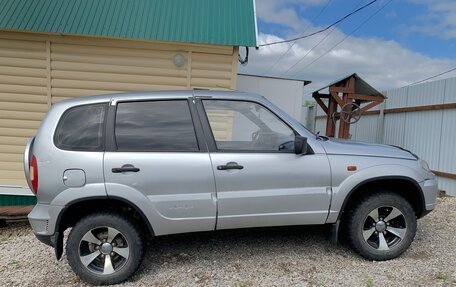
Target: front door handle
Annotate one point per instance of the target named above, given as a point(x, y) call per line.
point(230, 165)
point(125, 168)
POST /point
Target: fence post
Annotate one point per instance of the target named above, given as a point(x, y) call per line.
point(381, 122)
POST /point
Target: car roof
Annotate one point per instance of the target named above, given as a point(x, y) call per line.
point(138, 96)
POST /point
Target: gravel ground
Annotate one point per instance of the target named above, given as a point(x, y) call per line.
point(297, 256)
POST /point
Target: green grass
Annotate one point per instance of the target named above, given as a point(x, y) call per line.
point(13, 262)
point(370, 282)
point(239, 284)
point(442, 276)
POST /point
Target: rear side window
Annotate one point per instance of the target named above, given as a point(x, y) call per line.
point(155, 126)
point(82, 128)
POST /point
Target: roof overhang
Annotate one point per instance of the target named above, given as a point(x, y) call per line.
point(231, 23)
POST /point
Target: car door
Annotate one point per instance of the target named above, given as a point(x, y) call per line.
point(260, 181)
point(159, 163)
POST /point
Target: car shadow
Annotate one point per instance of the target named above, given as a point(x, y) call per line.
point(226, 247)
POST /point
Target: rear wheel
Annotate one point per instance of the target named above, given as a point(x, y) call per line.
point(104, 248)
point(381, 226)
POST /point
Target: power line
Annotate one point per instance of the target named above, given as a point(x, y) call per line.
point(316, 45)
point(308, 52)
point(305, 29)
point(432, 77)
point(322, 30)
point(345, 38)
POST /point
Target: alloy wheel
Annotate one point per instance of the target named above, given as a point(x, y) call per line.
point(104, 250)
point(384, 228)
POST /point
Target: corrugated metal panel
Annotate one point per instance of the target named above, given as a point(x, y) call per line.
point(423, 134)
point(23, 102)
point(365, 129)
point(397, 98)
point(426, 94)
point(450, 91)
point(447, 151)
point(197, 21)
point(394, 129)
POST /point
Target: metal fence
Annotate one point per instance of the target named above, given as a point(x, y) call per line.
point(420, 118)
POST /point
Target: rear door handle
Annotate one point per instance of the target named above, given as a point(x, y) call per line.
point(230, 165)
point(125, 168)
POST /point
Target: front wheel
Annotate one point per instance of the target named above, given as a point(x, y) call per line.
point(104, 248)
point(381, 226)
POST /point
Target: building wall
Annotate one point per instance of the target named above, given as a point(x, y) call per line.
point(285, 93)
point(37, 70)
point(431, 134)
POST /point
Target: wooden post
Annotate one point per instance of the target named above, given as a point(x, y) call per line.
point(344, 128)
point(330, 126)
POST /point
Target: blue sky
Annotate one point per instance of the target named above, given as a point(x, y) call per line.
point(407, 40)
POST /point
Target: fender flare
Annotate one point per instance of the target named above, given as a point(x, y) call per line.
point(56, 239)
point(334, 229)
point(409, 179)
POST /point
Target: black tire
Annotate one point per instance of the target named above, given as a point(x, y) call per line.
point(382, 244)
point(98, 224)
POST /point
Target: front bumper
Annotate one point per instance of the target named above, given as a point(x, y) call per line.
point(430, 190)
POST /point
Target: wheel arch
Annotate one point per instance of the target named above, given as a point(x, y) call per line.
point(76, 209)
point(394, 184)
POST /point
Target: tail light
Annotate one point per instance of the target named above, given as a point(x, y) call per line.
point(34, 175)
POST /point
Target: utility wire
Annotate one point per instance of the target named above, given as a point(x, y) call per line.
point(305, 29)
point(316, 45)
point(432, 77)
point(345, 38)
point(308, 52)
point(322, 30)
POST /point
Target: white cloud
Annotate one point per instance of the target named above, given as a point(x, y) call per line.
point(279, 12)
point(440, 19)
point(383, 63)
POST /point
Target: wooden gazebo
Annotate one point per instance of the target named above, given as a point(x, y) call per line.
point(348, 98)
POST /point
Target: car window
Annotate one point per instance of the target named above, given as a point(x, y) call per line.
point(155, 126)
point(81, 128)
point(242, 125)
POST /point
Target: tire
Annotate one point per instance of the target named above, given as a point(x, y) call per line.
point(381, 226)
point(115, 239)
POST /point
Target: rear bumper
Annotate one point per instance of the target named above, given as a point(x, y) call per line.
point(46, 239)
point(43, 219)
point(430, 190)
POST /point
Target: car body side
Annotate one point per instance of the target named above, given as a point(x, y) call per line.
point(54, 197)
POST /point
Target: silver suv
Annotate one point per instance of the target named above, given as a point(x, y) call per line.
point(119, 169)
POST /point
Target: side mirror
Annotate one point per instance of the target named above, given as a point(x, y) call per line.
point(300, 145)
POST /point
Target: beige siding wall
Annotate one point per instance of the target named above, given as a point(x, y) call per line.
point(38, 70)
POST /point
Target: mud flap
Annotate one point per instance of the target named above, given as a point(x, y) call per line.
point(334, 232)
point(57, 242)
